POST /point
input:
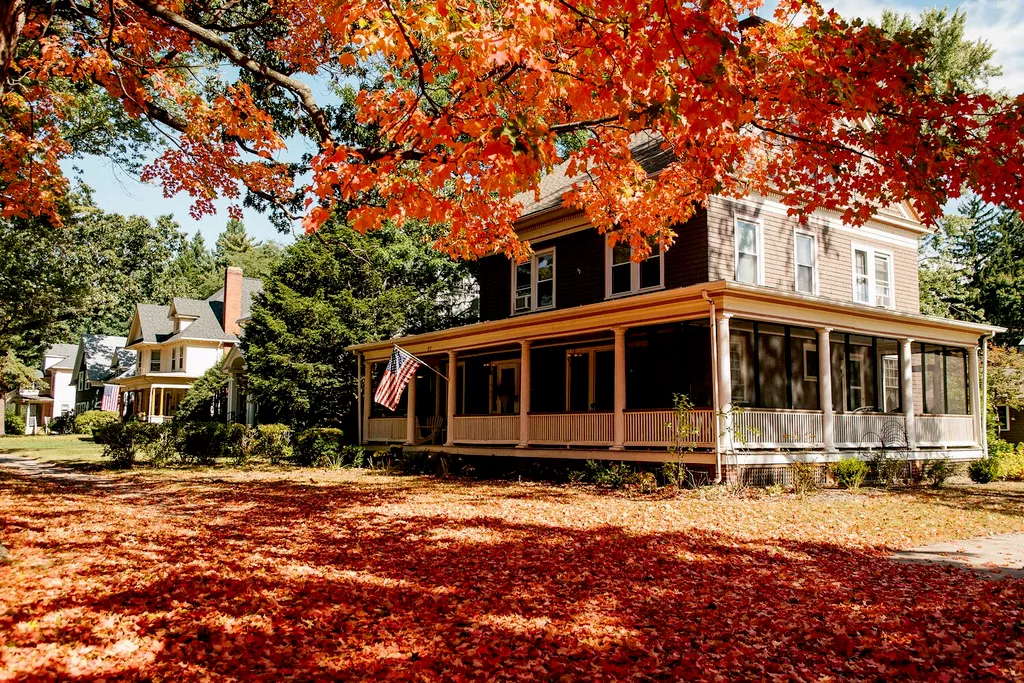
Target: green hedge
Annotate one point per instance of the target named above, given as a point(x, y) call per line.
point(320, 447)
point(87, 422)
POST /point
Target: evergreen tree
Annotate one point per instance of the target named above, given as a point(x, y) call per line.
point(340, 288)
point(236, 247)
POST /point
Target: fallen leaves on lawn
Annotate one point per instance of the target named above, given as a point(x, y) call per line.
point(367, 577)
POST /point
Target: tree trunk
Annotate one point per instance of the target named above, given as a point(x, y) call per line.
point(3, 413)
point(12, 22)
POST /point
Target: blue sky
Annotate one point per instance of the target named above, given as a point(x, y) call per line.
point(1000, 22)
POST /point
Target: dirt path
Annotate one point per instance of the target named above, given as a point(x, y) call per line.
point(995, 557)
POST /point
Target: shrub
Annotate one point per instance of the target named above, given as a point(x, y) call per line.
point(645, 481)
point(63, 424)
point(319, 446)
point(1011, 462)
point(938, 471)
point(984, 470)
point(354, 456)
point(889, 470)
point(122, 442)
point(850, 472)
point(201, 443)
point(274, 442)
point(614, 475)
point(805, 477)
point(14, 424)
point(86, 422)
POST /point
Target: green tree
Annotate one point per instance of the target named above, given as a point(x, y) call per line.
point(189, 274)
point(951, 61)
point(236, 247)
point(14, 375)
point(201, 400)
point(340, 288)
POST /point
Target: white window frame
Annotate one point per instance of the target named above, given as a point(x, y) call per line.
point(1004, 418)
point(174, 358)
point(736, 248)
point(159, 359)
point(533, 282)
point(797, 233)
point(634, 273)
point(871, 252)
point(744, 371)
point(810, 347)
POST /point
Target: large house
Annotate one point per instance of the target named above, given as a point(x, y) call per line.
point(176, 343)
point(99, 360)
point(37, 405)
point(793, 340)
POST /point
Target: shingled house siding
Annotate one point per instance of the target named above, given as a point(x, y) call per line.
point(495, 279)
point(835, 260)
point(686, 262)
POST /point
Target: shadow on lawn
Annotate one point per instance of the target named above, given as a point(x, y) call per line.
point(269, 580)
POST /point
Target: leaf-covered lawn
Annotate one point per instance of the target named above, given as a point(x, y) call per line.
point(354, 576)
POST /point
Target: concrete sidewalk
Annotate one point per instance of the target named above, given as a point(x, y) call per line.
point(993, 557)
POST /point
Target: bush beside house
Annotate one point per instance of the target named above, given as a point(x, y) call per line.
point(87, 422)
point(14, 424)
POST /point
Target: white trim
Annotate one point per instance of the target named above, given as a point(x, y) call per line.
point(798, 232)
point(870, 265)
point(533, 282)
point(736, 248)
point(634, 274)
point(1003, 412)
point(832, 222)
point(809, 346)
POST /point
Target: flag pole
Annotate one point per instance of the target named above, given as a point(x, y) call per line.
point(422, 362)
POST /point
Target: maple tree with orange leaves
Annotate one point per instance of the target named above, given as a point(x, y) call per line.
point(461, 107)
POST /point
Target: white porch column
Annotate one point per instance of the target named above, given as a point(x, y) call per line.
point(825, 388)
point(907, 390)
point(410, 413)
point(724, 407)
point(367, 399)
point(974, 377)
point(619, 419)
point(250, 410)
point(150, 408)
point(524, 395)
point(453, 367)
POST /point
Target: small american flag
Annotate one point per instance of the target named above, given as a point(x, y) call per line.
point(110, 394)
point(401, 367)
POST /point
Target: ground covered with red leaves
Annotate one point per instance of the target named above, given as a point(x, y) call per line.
point(353, 576)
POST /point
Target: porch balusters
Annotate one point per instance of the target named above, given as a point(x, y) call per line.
point(619, 419)
point(724, 407)
point(975, 394)
point(828, 436)
point(453, 371)
point(524, 395)
point(410, 413)
point(907, 390)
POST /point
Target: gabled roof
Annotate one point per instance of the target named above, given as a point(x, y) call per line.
point(95, 355)
point(647, 151)
point(155, 324)
point(65, 353)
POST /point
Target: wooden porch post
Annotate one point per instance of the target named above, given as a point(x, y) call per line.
point(367, 400)
point(907, 390)
point(410, 412)
point(724, 407)
point(619, 419)
point(974, 377)
point(452, 387)
point(524, 395)
point(825, 388)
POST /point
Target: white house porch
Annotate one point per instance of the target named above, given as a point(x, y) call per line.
point(598, 381)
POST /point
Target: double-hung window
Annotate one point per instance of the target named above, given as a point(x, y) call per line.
point(533, 283)
point(1004, 418)
point(623, 275)
point(872, 277)
point(174, 359)
point(154, 360)
point(805, 247)
point(749, 247)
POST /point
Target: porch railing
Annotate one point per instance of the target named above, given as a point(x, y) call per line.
point(385, 429)
point(946, 430)
point(777, 428)
point(658, 427)
point(486, 429)
point(853, 430)
point(572, 429)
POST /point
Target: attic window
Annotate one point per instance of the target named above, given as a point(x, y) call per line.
point(181, 323)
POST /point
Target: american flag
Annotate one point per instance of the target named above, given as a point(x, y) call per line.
point(110, 394)
point(401, 367)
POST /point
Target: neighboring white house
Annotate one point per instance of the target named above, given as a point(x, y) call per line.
point(176, 343)
point(38, 405)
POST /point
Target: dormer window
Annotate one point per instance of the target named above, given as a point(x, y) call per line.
point(625, 276)
point(181, 323)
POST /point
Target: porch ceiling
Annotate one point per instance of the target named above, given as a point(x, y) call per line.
point(685, 303)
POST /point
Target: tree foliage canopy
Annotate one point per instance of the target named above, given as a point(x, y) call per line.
point(459, 107)
point(340, 288)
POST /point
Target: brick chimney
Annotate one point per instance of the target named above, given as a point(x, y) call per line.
point(232, 299)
